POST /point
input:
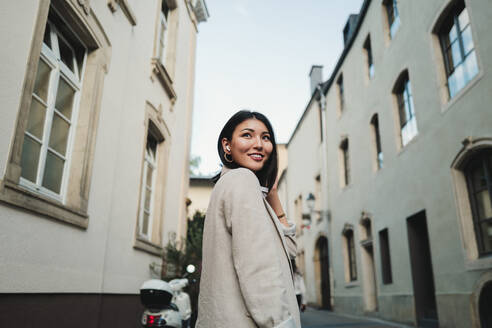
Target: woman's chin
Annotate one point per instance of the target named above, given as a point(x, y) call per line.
point(255, 167)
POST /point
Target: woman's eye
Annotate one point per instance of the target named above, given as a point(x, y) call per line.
point(247, 135)
point(266, 137)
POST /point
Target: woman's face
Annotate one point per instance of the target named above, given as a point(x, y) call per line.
point(250, 145)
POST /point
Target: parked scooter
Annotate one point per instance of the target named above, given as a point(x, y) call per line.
point(159, 299)
point(182, 300)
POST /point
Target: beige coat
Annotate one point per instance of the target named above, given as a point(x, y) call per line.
point(246, 278)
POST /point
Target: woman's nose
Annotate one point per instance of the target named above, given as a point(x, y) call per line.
point(258, 143)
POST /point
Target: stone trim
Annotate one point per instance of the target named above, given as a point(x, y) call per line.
point(484, 279)
point(147, 246)
point(125, 7)
point(15, 195)
point(464, 212)
point(73, 210)
point(163, 76)
point(155, 125)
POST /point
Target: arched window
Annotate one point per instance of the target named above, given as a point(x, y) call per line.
point(376, 137)
point(369, 58)
point(478, 173)
point(406, 110)
point(345, 162)
point(350, 259)
point(393, 16)
point(458, 49)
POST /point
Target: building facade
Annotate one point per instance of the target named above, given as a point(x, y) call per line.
point(95, 135)
point(408, 152)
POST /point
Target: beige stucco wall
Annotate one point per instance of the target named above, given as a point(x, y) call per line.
point(199, 193)
point(417, 177)
point(304, 166)
point(39, 254)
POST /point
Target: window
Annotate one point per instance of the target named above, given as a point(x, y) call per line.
point(458, 49)
point(370, 63)
point(148, 187)
point(406, 112)
point(317, 193)
point(47, 138)
point(478, 174)
point(340, 94)
point(152, 198)
point(377, 142)
point(163, 28)
point(384, 248)
point(58, 111)
point(344, 152)
point(164, 59)
point(351, 260)
point(367, 230)
point(393, 16)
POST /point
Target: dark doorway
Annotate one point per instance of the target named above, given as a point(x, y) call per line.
point(422, 274)
point(485, 304)
point(324, 267)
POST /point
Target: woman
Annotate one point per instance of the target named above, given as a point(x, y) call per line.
point(246, 279)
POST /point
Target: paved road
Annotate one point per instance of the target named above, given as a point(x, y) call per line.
point(312, 318)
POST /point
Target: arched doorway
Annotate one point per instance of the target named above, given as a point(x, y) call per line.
point(322, 272)
point(484, 306)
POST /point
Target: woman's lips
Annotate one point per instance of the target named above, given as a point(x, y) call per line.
point(256, 157)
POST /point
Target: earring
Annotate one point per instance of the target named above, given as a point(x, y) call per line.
point(227, 159)
point(228, 148)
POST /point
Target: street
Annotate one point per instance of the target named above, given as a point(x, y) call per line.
point(313, 318)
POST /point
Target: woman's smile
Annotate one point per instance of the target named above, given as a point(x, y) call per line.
point(257, 157)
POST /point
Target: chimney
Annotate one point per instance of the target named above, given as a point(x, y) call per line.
point(315, 76)
point(349, 28)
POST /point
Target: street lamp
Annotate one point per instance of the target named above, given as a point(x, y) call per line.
point(306, 217)
point(311, 201)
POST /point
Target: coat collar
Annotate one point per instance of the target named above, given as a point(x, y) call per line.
point(225, 170)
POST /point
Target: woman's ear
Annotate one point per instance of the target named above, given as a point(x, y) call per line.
point(226, 145)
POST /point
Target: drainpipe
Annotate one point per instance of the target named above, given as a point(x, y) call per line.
point(325, 212)
point(324, 156)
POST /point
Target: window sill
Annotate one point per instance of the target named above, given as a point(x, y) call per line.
point(409, 144)
point(450, 102)
point(147, 246)
point(160, 71)
point(352, 284)
point(125, 7)
point(18, 196)
point(480, 263)
point(346, 187)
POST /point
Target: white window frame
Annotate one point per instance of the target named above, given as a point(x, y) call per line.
point(161, 49)
point(470, 55)
point(395, 25)
point(410, 129)
point(51, 56)
point(149, 160)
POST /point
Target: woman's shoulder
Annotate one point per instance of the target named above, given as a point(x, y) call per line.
point(240, 176)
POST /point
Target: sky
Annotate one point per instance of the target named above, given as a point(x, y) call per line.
point(257, 55)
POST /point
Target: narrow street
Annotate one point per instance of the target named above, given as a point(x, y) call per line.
point(313, 318)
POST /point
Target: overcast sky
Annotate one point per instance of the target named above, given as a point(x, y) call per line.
point(257, 55)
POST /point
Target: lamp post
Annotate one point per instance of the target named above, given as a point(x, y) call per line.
point(307, 218)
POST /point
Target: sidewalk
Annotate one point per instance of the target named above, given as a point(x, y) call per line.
point(313, 318)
